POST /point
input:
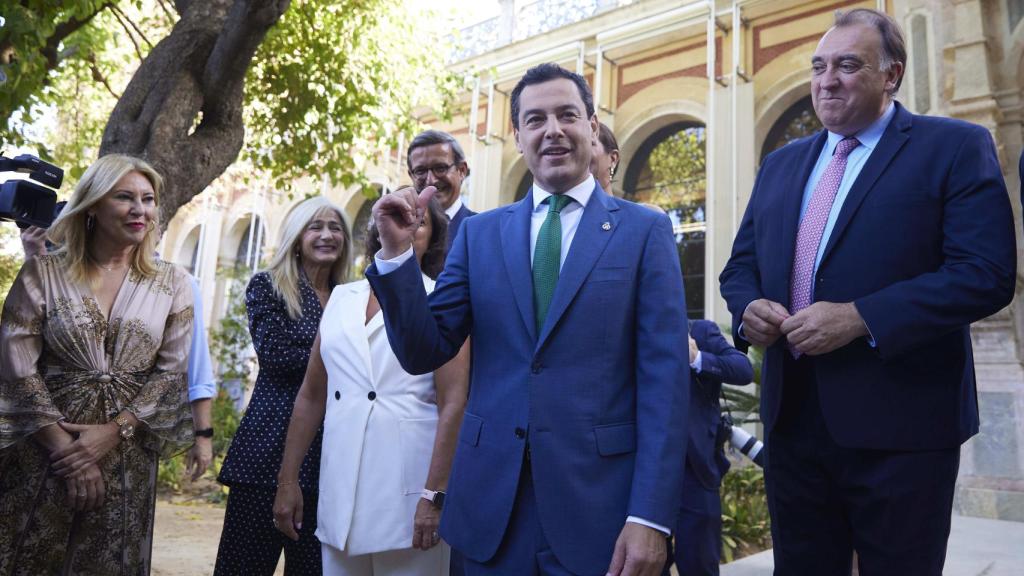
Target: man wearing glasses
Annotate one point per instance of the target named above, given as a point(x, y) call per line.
point(436, 159)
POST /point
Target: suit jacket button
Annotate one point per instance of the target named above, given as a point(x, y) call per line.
point(536, 367)
point(372, 395)
point(337, 395)
point(520, 433)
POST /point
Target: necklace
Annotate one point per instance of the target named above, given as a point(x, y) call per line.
point(110, 268)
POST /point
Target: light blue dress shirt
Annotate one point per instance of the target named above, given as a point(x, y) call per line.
point(855, 162)
point(200, 370)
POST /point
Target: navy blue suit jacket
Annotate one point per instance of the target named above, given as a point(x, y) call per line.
point(456, 222)
point(601, 393)
point(720, 363)
point(924, 246)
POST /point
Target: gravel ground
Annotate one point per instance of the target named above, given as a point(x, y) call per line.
point(185, 538)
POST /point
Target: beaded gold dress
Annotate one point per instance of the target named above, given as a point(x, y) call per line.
point(61, 358)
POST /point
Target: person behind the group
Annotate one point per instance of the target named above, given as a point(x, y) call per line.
point(605, 163)
point(201, 385)
point(864, 255)
point(284, 304)
point(698, 534)
point(436, 159)
point(387, 434)
point(572, 447)
point(94, 342)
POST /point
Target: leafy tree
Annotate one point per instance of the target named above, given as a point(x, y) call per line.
point(323, 85)
point(10, 259)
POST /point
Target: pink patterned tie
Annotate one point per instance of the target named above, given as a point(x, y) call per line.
point(808, 237)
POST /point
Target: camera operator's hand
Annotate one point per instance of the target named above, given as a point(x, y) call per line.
point(398, 216)
point(33, 241)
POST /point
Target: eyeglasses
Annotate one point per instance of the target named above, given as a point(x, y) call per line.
point(438, 170)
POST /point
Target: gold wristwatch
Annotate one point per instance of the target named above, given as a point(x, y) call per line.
point(126, 429)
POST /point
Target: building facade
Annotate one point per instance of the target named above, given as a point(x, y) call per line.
point(697, 93)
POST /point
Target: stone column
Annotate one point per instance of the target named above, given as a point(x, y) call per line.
point(992, 463)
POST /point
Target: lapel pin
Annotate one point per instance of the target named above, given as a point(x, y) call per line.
point(606, 226)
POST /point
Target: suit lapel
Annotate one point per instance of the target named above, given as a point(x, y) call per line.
point(587, 245)
point(515, 247)
point(895, 136)
point(792, 197)
point(355, 302)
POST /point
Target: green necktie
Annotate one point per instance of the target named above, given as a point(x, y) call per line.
point(547, 256)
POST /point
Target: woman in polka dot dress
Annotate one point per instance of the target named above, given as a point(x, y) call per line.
point(284, 304)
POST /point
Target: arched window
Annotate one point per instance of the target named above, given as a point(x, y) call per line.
point(798, 121)
point(1016, 12)
point(189, 251)
point(250, 249)
point(668, 171)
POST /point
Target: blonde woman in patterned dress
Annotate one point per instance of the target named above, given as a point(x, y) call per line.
point(93, 349)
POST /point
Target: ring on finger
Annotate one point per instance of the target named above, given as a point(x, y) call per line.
point(434, 535)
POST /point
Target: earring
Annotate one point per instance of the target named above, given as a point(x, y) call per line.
point(611, 170)
point(90, 222)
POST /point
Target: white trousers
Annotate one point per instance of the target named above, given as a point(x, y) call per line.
point(404, 562)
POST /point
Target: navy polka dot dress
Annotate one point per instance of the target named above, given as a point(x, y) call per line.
point(282, 349)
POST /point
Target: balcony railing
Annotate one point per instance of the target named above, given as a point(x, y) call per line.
point(519, 22)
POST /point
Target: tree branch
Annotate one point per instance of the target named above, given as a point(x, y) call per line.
point(62, 31)
point(244, 30)
point(98, 76)
point(163, 5)
point(117, 11)
point(128, 30)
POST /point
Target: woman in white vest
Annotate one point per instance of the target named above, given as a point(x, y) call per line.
point(389, 437)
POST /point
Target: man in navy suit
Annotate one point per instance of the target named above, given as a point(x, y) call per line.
point(572, 447)
point(435, 158)
point(713, 362)
point(865, 253)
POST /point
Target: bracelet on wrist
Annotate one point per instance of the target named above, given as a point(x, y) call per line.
point(287, 483)
point(204, 433)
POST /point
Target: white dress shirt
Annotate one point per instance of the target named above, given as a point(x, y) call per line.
point(452, 210)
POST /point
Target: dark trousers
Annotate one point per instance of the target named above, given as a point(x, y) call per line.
point(826, 501)
point(698, 533)
point(524, 551)
point(250, 545)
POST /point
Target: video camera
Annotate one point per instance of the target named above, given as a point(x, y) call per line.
point(741, 440)
point(25, 202)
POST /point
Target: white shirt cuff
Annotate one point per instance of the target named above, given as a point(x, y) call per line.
point(388, 266)
point(696, 364)
point(643, 522)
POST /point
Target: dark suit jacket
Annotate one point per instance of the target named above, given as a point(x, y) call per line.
point(924, 246)
point(601, 393)
point(456, 222)
point(720, 363)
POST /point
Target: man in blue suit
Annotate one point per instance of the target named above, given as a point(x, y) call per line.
point(435, 158)
point(865, 253)
point(698, 533)
point(571, 451)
